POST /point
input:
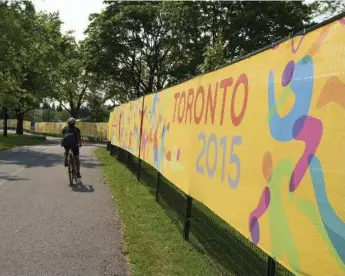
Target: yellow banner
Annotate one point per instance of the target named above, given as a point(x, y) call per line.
point(49, 127)
point(88, 129)
point(27, 125)
point(261, 143)
point(12, 123)
point(124, 126)
point(94, 130)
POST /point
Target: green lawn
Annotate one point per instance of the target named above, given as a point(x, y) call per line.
point(14, 140)
point(153, 229)
point(153, 241)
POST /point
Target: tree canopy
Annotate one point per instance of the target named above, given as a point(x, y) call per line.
point(141, 47)
point(29, 47)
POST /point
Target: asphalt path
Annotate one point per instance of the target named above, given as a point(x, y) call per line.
point(49, 228)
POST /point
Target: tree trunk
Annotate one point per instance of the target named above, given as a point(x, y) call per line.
point(75, 112)
point(20, 119)
point(5, 122)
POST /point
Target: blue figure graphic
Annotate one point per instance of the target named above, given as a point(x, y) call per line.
point(302, 85)
point(161, 151)
point(334, 226)
point(154, 107)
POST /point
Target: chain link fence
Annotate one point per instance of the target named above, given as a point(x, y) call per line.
point(228, 250)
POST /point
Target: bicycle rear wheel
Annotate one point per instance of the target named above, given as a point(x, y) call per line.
point(70, 169)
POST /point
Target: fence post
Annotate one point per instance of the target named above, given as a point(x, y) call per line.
point(128, 162)
point(158, 185)
point(187, 222)
point(117, 153)
point(271, 269)
point(139, 168)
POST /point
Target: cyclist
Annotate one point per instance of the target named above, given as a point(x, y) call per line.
point(72, 141)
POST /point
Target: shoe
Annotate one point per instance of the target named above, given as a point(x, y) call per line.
point(66, 163)
point(78, 175)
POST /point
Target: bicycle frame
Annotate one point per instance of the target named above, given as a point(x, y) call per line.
point(72, 172)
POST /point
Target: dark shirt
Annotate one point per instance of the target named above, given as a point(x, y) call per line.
point(72, 129)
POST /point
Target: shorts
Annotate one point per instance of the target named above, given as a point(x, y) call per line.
point(75, 150)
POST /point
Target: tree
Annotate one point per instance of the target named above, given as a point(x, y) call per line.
point(326, 9)
point(141, 47)
point(98, 111)
point(59, 108)
point(30, 47)
point(214, 56)
point(75, 81)
point(45, 106)
point(135, 48)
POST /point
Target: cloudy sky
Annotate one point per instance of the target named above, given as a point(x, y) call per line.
point(73, 13)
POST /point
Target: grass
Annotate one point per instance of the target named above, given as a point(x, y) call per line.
point(228, 252)
point(14, 140)
point(153, 240)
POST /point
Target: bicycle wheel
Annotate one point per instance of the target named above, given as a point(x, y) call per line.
point(75, 172)
point(70, 169)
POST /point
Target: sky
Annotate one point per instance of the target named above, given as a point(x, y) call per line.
point(73, 13)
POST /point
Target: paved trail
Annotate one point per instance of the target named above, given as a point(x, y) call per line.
point(46, 227)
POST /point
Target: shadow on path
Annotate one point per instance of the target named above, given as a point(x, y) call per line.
point(7, 177)
point(35, 158)
point(81, 188)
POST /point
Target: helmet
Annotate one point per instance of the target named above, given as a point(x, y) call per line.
point(71, 121)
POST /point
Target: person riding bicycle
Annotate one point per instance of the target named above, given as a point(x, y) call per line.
point(72, 141)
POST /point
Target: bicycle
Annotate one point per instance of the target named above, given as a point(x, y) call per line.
point(72, 170)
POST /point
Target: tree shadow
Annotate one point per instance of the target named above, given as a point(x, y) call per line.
point(29, 157)
point(10, 178)
point(227, 249)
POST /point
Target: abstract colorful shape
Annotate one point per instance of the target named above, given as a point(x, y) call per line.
point(334, 225)
point(294, 50)
point(254, 226)
point(332, 92)
point(281, 127)
point(308, 130)
point(318, 43)
point(288, 72)
point(267, 164)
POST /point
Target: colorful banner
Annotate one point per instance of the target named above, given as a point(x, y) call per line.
point(27, 125)
point(12, 123)
point(49, 127)
point(93, 130)
point(261, 143)
point(124, 126)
